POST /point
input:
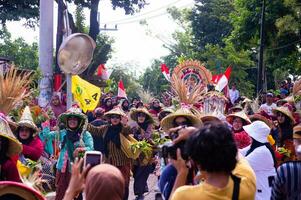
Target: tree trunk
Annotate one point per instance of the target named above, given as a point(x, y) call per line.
point(94, 26)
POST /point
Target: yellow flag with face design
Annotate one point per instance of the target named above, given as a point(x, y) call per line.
point(85, 93)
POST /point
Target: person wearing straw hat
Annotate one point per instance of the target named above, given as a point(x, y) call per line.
point(10, 190)
point(155, 107)
point(114, 135)
point(283, 130)
point(9, 147)
point(73, 140)
point(143, 130)
point(261, 157)
point(27, 134)
point(287, 182)
point(237, 121)
point(177, 122)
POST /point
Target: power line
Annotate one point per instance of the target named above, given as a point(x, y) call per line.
point(151, 17)
point(142, 14)
point(284, 46)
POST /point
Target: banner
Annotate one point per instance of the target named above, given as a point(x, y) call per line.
point(85, 93)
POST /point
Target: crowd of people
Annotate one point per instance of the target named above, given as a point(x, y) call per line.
point(242, 154)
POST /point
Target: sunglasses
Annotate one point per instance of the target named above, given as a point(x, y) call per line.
point(115, 117)
point(141, 115)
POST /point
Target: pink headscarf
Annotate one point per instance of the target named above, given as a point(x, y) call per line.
point(104, 181)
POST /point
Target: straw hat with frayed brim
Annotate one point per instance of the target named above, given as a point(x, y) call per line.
point(260, 117)
point(134, 115)
point(242, 115)
point(19, 189)
point(115, 111)
point(73, 111)
point(236, 107)
point(297, 132)
point(26, 120)
point(284, 110)
point(209, 118)
point(15, 147)
point(167, 122)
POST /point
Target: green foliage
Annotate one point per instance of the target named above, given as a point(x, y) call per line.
point(15, 10)
point(80, 20)
point(24, 55)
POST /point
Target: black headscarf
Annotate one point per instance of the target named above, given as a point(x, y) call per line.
point(28, 140)
point(255, 144)
point(113, 136)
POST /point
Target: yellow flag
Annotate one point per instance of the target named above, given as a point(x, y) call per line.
point(85, 93)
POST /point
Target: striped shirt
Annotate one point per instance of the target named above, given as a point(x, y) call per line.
point(116, 156)
point(287, 184)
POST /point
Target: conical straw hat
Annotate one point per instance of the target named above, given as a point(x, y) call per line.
point(15, 147)
point(258, 116)
point(134, 115)
point(73, 111)
point(241, 115)
point(167, 122)
point(27, 120)
point(115, 111)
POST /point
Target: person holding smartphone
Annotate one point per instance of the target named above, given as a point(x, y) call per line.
point(74, 140)
point(113, 153)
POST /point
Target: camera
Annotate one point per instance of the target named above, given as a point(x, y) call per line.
point(169, 150)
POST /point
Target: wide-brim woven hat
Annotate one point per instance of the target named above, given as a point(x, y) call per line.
point(167, 122)
point(26, 120)
point(236, 107)
point(134, 115)
point(284, 110)
point(297, 132)
point(242, 115)
point(15, 147)
point(209, 118)
point(260, 117)
point(115, 111)
point(73, 111)
point(19, 189)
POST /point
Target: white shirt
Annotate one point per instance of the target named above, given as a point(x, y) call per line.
point(262, 163)
point(268, 109)
point(234, 95)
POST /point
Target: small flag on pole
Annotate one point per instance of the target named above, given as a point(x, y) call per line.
point(223, 80)
point(103, 72)
point(165, 71)
point(121, 90)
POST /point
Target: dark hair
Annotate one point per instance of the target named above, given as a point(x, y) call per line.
point(174, 123)
point(213, 148)
point(28, 140)
point(3, 149)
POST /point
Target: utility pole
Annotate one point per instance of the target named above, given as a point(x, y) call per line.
point(46, 51)
point(261, 68)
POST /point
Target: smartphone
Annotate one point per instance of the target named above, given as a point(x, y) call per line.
point(93, 158)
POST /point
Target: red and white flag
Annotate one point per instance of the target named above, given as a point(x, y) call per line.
point(103, 72)
point(165, 71)
point(121, 90)
point(223, 80)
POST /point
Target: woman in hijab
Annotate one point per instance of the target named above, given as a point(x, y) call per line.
point(57, 106)
point(125, 105)
point(114, 152)
point(101, 182)
point(155, 107)
point(27, 134)
point(74, 140)
point(142, 129)
point(107, 104)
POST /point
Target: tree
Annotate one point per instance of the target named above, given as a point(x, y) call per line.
point(15, 10)
point(210, 22)
point(24, 55)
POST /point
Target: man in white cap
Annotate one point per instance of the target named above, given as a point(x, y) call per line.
point(260, 156)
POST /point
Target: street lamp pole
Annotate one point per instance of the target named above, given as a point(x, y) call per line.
point(261, 68)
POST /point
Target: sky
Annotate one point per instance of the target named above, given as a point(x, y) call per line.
point(132, 42)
